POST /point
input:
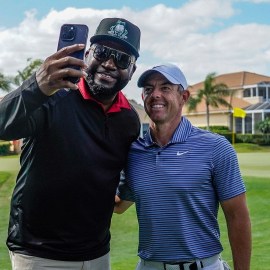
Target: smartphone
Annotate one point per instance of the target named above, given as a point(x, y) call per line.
point(73, 34)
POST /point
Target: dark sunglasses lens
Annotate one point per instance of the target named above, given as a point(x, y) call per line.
point(122, 60)
point(101, 53)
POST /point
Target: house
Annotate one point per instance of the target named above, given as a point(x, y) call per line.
point(144, 118)
point(249, 91)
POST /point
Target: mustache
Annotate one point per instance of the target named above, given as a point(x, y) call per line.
point(98, 91)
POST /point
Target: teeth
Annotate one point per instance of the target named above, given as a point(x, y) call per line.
point(157, 106)
point(107, 76)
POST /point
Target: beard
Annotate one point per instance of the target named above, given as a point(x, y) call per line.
point(102, 93)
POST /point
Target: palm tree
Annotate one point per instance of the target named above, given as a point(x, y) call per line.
point(4, 83)
point(212, 94)
point(27, 71)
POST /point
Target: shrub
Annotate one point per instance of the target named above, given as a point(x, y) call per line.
point(244, 138)
point(4, 148)
point(260, 139)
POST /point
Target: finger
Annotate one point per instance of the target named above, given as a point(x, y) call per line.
point(65, 51)
point(69, 85)
point(60, 84)
point(55, 64)
point(68, 50)
point(69, 61)
point(50, 67)
point(59, 79)
point(117, 199)
point(67, 72)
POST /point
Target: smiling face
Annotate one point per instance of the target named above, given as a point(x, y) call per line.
point(105, 78)
point(163, 101)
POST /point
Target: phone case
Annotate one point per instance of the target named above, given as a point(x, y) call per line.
point(73, 34)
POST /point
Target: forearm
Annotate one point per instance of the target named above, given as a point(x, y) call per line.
point(239, 231)
point(121, 205)
point(16, 109)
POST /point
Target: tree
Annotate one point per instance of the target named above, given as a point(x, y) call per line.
point(212, 94)
point(27, 71)
point(264, 126)
point(4, 83)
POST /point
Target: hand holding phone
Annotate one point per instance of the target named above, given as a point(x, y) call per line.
point(51, 76)
point(73, 34)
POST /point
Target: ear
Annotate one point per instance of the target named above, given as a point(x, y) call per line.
point(186, 95)
point(142, 97)
point(87, 53)
point(132, 70)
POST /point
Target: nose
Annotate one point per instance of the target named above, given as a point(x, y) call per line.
point(156, 93)
point(109, 63)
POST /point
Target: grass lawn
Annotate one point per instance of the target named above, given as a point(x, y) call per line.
point(258, 198)
point(255, 170)
point(6, 187)
point(251, 148)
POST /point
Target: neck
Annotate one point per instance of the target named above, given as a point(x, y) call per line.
point(162, 133)
point(106, 104)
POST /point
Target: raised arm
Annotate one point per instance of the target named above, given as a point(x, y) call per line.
point(17, 107)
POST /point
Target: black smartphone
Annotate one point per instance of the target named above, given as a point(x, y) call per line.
point(73, 34)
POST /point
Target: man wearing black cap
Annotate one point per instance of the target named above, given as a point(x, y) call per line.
point(75, 145)
point(178, 175)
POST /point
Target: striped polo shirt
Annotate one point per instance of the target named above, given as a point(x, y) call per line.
point(177, 189)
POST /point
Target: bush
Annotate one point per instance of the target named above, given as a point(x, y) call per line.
point(245, 138)
point(227, 135)
point(4, 148)
point(260, 139)
point(217, 129)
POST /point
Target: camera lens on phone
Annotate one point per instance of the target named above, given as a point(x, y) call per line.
point(69, 33)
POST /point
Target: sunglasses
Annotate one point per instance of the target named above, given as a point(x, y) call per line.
point(103, 53)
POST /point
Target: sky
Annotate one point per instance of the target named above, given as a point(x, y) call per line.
point(200, 36)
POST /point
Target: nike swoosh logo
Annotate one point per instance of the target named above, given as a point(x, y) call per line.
point(181, 153)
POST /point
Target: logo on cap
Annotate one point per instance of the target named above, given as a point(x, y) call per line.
point(118, 30)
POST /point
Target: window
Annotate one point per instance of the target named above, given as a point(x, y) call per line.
point(248, 124)
point(257, 119)
point(247, 92)
point(254, 92)
point(238, 125)
point(262, 92)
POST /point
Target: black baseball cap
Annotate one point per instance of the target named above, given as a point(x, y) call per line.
point(119, 30)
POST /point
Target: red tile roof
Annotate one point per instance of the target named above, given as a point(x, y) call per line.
point(234, 80)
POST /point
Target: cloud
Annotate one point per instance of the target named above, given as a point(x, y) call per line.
point(256, 1)
point(194, 36)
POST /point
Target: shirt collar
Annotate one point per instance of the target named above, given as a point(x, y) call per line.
point(119, 102)
point(181, 133)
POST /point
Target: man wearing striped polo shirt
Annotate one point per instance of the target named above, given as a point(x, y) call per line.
point(178, 175)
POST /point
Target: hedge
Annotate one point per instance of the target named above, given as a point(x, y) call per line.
point(5, 148)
